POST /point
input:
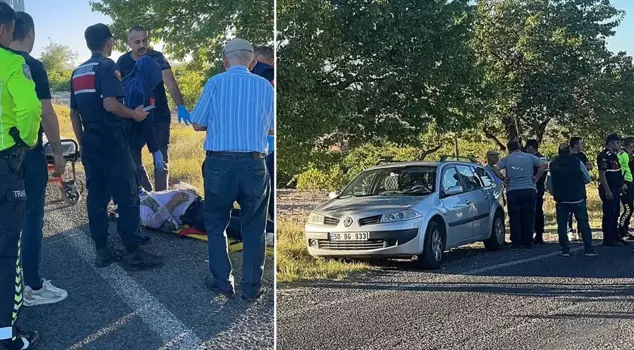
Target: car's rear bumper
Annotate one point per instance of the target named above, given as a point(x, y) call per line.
point(397, 242)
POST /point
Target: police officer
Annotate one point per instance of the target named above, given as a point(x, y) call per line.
point(610, 187)
point(98, 117)
point(37, 290)
point(20, 119)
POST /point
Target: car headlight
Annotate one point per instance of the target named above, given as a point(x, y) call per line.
point(316, 219)
point(400, 216)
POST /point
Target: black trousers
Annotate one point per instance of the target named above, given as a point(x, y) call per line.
point(111, 173)
point(539, 216)
point(627, 199)
point(136, 149)
point(12, 206)
point(611, 208)
point(570, 223)
point(161, 177)
point(522, 216)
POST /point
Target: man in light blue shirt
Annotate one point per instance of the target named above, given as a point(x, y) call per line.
point(236, 111)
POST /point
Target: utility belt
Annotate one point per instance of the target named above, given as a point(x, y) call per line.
point(14, 156)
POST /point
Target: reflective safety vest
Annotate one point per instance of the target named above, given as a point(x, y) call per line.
point(624, 161)
point(19, 105)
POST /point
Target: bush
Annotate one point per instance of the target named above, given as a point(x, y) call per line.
point(59, 81)
point(332, 179)
point(190, 82)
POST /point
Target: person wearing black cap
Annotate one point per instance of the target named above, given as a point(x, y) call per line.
point(610, 187)
point(98, 114)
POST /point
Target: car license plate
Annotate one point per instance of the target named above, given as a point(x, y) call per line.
point(349, 236)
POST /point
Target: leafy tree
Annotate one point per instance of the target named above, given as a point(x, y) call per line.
point(368, 70)
point(58, 58)
point(542, 58)
point(191, 82)
point(194, 28)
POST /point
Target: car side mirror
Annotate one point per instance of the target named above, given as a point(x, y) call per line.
point(333, 195)
point(453, 190)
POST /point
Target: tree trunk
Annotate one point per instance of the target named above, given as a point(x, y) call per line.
point(510, 128)
point(494, 138)
point(540, 131)
point(428, 151)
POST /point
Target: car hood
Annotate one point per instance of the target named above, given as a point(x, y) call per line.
point(366, 206)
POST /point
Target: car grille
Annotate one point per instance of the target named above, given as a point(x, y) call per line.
point(351, 245)
point(331, 221)
point(370, 220)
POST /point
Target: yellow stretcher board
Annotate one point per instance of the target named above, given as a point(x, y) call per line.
point(234, 244)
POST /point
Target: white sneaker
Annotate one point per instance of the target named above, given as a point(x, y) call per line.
point(48, 294)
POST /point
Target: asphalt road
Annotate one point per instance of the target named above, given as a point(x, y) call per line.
point(167, 308)
point(529, 299)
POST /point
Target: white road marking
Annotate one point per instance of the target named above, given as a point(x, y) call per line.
point(436, 279)
point(155, 315)
point(104, 331)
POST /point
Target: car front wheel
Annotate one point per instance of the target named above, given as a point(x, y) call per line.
point(434, 248)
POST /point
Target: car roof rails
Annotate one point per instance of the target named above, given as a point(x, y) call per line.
point(385, 160)
point(470, 159)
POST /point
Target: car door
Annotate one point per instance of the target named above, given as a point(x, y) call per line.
point(480, 197)
point(458, 209)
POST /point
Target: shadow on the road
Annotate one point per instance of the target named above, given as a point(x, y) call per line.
point(624, 315)
point(565, 292)
point(96, 316)
point(612, 263)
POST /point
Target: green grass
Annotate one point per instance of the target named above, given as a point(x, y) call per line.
point(294, 264)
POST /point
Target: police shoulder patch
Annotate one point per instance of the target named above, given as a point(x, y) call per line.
point(27, 71)
point(117, 74)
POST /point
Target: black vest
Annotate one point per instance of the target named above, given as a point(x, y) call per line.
point(567, 179)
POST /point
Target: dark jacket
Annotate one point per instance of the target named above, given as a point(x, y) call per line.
point(264, 70)
point(137, 87)
point(541, 182)
point(568, 179)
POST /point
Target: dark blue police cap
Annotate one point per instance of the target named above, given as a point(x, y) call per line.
point(97, 33)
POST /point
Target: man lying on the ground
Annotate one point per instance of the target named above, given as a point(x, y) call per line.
point(170, 210)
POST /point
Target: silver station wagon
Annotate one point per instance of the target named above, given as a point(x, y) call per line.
point(414, 210)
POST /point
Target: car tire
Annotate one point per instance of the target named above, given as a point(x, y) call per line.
point(498, 233)
point(434, 247)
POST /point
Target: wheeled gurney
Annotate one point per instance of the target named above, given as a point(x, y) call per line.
point(73, 189)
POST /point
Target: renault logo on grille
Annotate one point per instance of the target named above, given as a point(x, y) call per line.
point(347, 222)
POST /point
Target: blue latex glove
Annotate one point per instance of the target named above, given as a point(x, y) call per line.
point(159, 161)
point(270, 139)
point(183, 115)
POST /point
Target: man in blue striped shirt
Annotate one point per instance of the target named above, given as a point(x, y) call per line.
point(236, 111)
